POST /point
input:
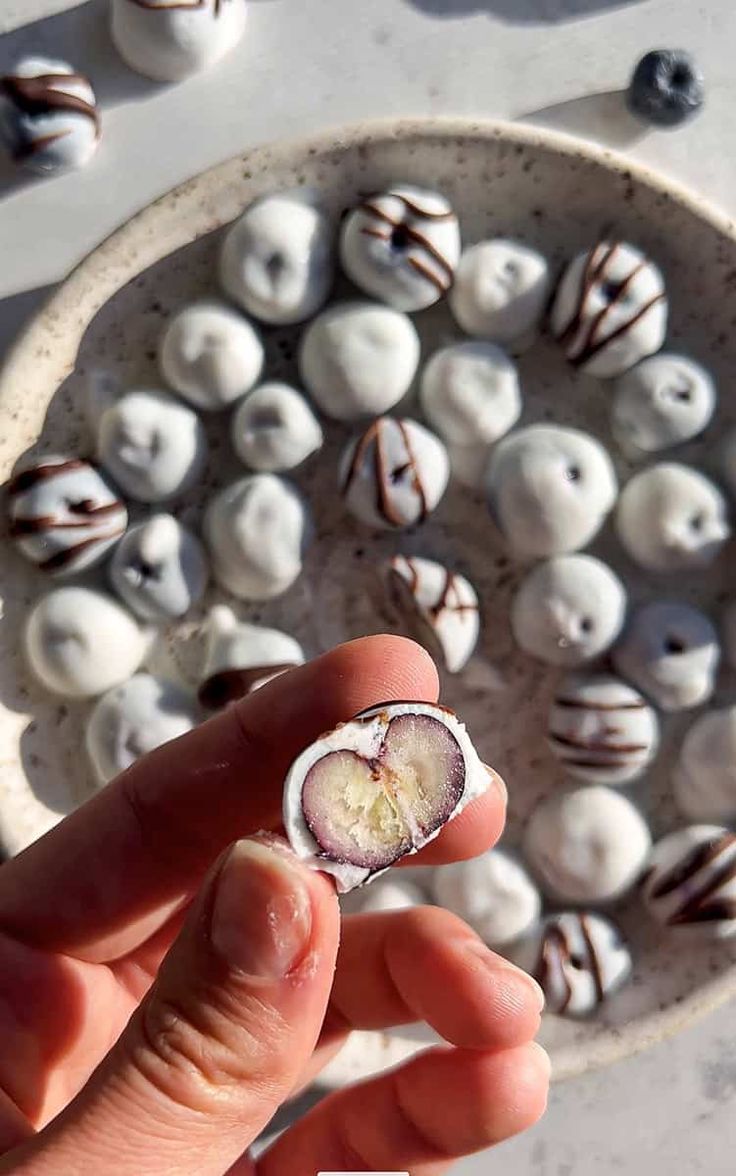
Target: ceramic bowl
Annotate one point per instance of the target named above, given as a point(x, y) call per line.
point(551, 191)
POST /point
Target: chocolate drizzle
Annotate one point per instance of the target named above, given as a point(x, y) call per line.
point(44, 95)
point(421, 254)
point(230, 685)
point(385, 477)
point(700, 875)
point(182, 4)
point(559, 961)
point(594, 340)
point(581, 704)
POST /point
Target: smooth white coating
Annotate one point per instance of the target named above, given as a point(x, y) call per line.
point(445, 604)
point(549, 489)
point(470, 393)
point(663, 401)
point(135, 718)
point(705, 775)
point(233, 644)
point(402, 246)
point(493, 894)
point(602, 730)
point(358, 359)
point(671, 652)
point(79, 642)
point(53, 140)
point(394, 475)
point(568, 610)
point(277, 260)
point(65, 521)
point(152, 445)
point(500, 291)
point(366, 738)
point(582, 960)
point(274, 429)
point(587, 846)
point(160, 569)
point(691, 881)
point(257, 530)
point(210, 355)
point(390, 893)
point(671, 518)
point(169, 42)
point(610, 309)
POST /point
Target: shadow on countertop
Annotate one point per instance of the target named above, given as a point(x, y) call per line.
point(603, 118)
point(521, 11)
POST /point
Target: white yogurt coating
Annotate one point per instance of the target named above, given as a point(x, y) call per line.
point(589, 846)
point(470, 393)
point(691, 881)
point(568, 610)
point(80, 643)
point(402, 246)
point(388, 894)
point(49, 119)
point(210, 355)
point(549, 490)
point(493, 894)
point(277, 260)
point(443, 602)
point(670, 651)
point(671, 518)
point(358, 359)
point(602, 730)
point(365, 735)
point(501, 291)
point(135, 718)
point(63, 516)
point(394, 475)
point(241, 657)
point(583, 959)
point(274, 429)
point(663, 401)
point(729, 633)
point(169, 41)
point(160, 569)
point(705, 776)
point(152, 445)
point(610, 309)
point(257, 530)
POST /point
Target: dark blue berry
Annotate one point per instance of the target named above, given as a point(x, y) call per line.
point(667, 88)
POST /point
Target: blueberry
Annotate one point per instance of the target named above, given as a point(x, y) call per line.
point(667, 88)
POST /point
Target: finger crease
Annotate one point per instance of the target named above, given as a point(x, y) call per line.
point(419, 1137)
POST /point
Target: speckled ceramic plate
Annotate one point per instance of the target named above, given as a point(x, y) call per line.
point(549, 190)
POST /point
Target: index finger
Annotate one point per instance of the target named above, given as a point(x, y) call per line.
point(106, 878)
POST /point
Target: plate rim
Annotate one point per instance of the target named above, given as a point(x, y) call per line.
point(88, 286)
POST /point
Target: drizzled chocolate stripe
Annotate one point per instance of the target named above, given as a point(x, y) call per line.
point(27, 479)
point(416, 480)
point(580, 704)
point(698, 858)
point(445, 603)
point(45, 94)
point(591, 745)
point(442, 280)
point(68, 555)
point(180, 4)
point(230, 685)
point(596, 271)
point(383, 477)
point(555, 942)
point(698, 909)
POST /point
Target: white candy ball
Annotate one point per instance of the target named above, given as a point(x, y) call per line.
point(133, 719)
point(470, 393)
point(671, 518)
point(501, 290)
point(493, 894)
point(663, 401)
point(159, 569)
point(705, 776)
point(171, 41)
point(395, 474)
point(274, 429)
point(602, 730)
point(49, 118)
point(210, 355)
point(691, 881)
point(671, 652)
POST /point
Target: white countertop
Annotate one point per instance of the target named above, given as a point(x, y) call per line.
point(307, 64)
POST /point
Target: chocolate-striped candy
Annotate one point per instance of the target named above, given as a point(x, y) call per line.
point(443, 601)
point(582, 960)
point(170, 40)
point(691, 880)
point(395, 474)
point(602, 730)
point(610, 310)
point(48, 115)
point(402, 246)
point(64, 517)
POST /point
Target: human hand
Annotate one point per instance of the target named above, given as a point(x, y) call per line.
point(156, 1009)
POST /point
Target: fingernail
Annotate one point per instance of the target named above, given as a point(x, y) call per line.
point(496, 963)
point(262, 915)
point(498, 783)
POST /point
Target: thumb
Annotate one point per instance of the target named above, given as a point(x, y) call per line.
point(220, 1040)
